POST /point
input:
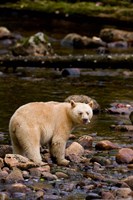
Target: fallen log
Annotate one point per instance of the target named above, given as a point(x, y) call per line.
point(114, 61)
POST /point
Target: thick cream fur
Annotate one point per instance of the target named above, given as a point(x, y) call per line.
point(40, 123)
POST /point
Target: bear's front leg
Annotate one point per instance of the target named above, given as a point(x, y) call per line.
point(57, 150)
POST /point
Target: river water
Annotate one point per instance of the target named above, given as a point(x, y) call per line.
point(104, 86)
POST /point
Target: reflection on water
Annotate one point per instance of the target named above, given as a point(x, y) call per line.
point(46, 85)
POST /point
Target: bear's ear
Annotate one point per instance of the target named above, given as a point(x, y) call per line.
point(73, 104)
point(91, 104)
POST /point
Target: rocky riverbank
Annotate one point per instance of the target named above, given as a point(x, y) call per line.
point(100, 172)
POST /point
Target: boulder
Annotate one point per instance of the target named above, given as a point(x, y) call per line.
point(16, 160)
point(106, 145)
point(125, 155)
point(36, 45)
point(4, 32)
point(14, 176)
point(113, 35)
point(74, 152)
point(77, 41)
point(129, 181)
point(5, 149)
point(123, 193)
point(17, 187)
point(84, 99)
point(85, 141)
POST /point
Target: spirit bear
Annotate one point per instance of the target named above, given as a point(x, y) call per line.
point(40, 123)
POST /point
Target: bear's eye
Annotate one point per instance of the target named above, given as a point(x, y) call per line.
point(87, 113)
point(80, 113)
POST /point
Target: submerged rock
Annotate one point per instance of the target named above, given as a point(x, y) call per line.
point(122, 127)
point(113, 35)
point(71, 72)
point(36, 45)
point(78, 41)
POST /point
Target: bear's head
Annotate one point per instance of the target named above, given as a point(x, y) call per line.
point(81, 113)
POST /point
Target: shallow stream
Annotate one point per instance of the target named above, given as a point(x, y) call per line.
point(104, 86)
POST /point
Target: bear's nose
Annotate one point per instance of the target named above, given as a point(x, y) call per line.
point(85, 121)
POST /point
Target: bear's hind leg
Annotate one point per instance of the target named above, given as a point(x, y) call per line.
point(17, 148)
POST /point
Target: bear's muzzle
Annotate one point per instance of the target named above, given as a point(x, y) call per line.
point(86, 121)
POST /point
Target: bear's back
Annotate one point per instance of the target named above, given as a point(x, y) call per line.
point(38, 111)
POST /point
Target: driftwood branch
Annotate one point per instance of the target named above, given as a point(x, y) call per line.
point(83, 61)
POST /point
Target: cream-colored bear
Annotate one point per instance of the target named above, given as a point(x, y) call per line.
point(39, 123)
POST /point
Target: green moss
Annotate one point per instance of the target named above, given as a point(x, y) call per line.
point(109, 8)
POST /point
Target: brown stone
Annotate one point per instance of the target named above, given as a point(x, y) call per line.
point(122, 127)
point(14, 176)
point(4, 32)
point(85, 141)
point(5, 149)
point(48, 176)
point(106, 145)
point(123, 193)
point(107, 195)
point(125, 155)
point(34, 172)
point(1, 163)
point(17, 187)
point(129, 181)
point(112, 35)
point(75, 148)
point(61, 175)
point(3, 175)
point(16, 160)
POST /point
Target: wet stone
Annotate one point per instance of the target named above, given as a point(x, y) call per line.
point(123, 193)
point(17, 187)
point(92, 195)
point(5, 149)
point(75, 148)
point(86, 141)
point(129, 181)
point(101, 160)
point(49, 176)
point(125, 155)
point(16, 160)
point(106, 145)
point(61, 175)
point(1, 163)
point(14, 176)
point(107, 195)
